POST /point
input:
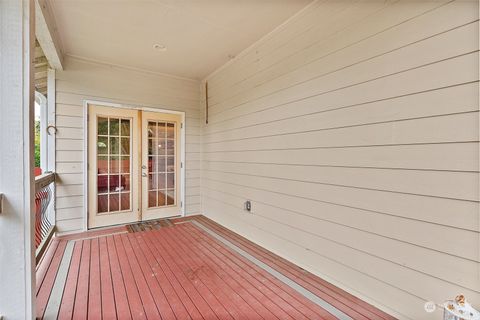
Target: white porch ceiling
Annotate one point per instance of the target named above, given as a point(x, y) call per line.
point(200, 35)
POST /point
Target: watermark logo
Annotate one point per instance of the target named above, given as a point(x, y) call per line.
point(430, 306)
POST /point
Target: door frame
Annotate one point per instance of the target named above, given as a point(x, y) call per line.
point(86, 103)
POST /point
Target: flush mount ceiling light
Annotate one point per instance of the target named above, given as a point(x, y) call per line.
point(160, 47)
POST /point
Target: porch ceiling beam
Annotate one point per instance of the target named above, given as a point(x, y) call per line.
point(47, 34)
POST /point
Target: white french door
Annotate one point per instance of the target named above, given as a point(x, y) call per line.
point(112, 166)
point(133, 165)
point(160, 165)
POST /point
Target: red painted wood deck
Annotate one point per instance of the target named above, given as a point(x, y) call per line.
point(178, 272)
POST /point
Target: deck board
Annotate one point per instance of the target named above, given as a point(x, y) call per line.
point(281, 295)
point(353, 306)
point(80, 310)
point(257, 288)
point(149, 274)
point(148, 301)
point(238, 298)
point(106, 286)
point(94, 292)
point(206, 289)
point(180, 271)
point(122, 306)
point(45, 261)
point(180, 300)
point(249, 281)
point(203, 307)
point(68, 300)
point(248, 291)
point(220, 289)
point(133, 296)
point(46, 286)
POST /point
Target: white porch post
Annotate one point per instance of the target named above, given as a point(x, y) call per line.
point(17, 269)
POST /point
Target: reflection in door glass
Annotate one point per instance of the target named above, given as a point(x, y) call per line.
point(170, 164)
point(161, 159)
point(170, 197)
point(161, 198)
point(113, 164)
point(102, 164)
point(125, 205)
point(102, 201)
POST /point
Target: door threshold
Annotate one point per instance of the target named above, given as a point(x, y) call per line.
point(153, 224)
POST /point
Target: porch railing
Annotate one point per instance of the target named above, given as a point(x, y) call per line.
point(44, 211)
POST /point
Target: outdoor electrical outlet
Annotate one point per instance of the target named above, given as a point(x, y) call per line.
point(248, 206)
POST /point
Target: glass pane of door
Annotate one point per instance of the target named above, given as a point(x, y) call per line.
point(161, 163)
point(113, 165)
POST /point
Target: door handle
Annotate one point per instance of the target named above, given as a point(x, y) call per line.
point(144, 174)
point(144, 167)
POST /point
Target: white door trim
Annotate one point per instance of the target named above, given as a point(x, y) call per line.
point(132, 107)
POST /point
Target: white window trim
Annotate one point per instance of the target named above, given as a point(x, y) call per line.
point(51, 121)
point(41, 100)
point(47, 119)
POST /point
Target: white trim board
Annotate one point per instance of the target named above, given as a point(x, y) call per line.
point(130, 107)
point(42, 101)
point(130, 68)
point(47, 34)
point(51, 120)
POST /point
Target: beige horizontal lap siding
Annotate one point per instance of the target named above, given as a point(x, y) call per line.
point(354, 131)
point(82, 81)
